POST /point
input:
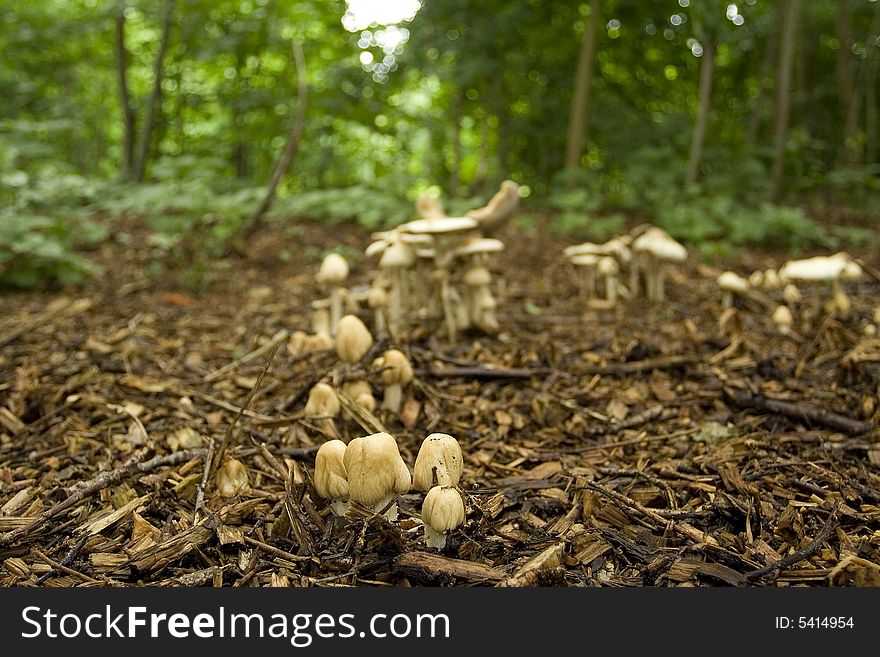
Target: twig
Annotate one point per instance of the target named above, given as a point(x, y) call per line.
point(265, 547)
point(800, 412)
point(280, 336)
point(63, 308)
point(92, 486)
point(814, 546)
point(64, 569)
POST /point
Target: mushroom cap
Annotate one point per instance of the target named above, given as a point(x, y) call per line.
point(660, 244)
point(782, 316)
point(442, 451)
point(619, 248)
point(353, 339)
point(426, 254)
point(477, 276)
point(377, 297)
point(791, 294)
point(333, 270)
point(355, 388)
point(732, 282)
point(375, 469)
point(395, 366)
point(231, 478)
point(585, 260)
point(480, 245)
point(821, 268)
point(322, 401)
point(876, 315)
point(443, 509)
point(398, 255)
point(502, 205)
point(756, 278)
point(584, 248)
point(331, 481)
point(771, 279)
point(841, 302)
point(320, 341)
point(608, 266)
point(439, 225)
point(375, 248)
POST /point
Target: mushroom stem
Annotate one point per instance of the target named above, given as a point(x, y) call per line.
point(660, 282)
point(339, 507)
point(335, 308)
point(448, 310)
point(727, 299)
point(435, 539)
point(393, 397)
point(394, 304)
point(391, 513)
point(611, 289)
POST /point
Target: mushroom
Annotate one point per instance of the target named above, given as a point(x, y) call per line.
point(396, 259)
point(588, 262)
point(376, 472)
point(771, 279)
point(377, 300)
point(782, 319)
point(353, 339)
point(323, 405)
point(655, 247)
point(439, 461)
point(396, 372)
point(442, 511)
point(331, 480)
point(321, 318)
point(831, 269)
point(231, 478)
point(731, 285)
point(361, 393)
point(332, 273)
point(756, 278)
point(791, 294)
point(608, 269)
point(498, 210)
point(479, 302)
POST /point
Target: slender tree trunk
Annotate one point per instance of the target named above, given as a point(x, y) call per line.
point(579, 113)
point(764, 80)
point(124, 96)
point(871, 93)
point(291, 147)
point(707, 70)
point(846, 81)
point(783, 96)
point(155, 98)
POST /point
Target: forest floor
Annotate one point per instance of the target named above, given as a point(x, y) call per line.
point(648, 445)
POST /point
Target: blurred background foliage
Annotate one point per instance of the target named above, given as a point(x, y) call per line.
point(457, 95)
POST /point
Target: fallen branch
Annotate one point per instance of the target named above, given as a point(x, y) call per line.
point(800, 412)
point(424, 565)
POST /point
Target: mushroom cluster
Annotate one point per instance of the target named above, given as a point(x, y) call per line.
point(370, 471)
point(646, 252)
point(437, 267)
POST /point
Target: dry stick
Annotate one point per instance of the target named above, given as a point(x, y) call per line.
point(814, 546)
point(800, 412)
point(265, 547)
point(67, 560)
point(292, 145)
point(71, 308)
point(64, 569)
point(280, 336)
point(214, 456)
point(92, 486)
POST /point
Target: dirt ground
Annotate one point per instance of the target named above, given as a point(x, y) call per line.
point(647, 445)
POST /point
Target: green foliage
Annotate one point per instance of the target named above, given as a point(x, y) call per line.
point(368, 206)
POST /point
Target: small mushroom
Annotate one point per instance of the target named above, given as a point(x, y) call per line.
point(331, 480)
point(791, 294)
point(322, 406)
point(782, 319)
point(439, 461)
point(771, 280)
point(231, 478)
point(353, 339)
point(653, 248)
point(377, 300)
point(376, 472)
point(587, 282)
point(608, 269)
point(731, 285)
point(442, 511)
point(396, 372)
point(332, 273)
point(395, 261)
point(361, 393)
point(756, 279)
point(498, 210)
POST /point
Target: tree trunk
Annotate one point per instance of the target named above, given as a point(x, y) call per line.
point(707, 70)
point(764, 82)
point(579, 113)
point(155, 98)
point(124, 97)
point(871, 94)
point(783, 96)
point(290, 147)
point(846, 83)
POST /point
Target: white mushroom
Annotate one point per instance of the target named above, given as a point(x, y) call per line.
point(353, 339)
point(395, 261)
point(782, 319)
point(376, 472)
point(396, 372)
point(586, 281)
point(791, 294)
point(499, 209)
point(756, 279)
point(655, 247)
point(608, 269)
point(231, 478)
point(731, 285)
point(442, 511)
point(332, 273)
point(361, 393)
point(440, 457)
point(331, 480)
